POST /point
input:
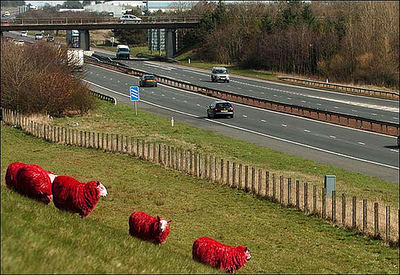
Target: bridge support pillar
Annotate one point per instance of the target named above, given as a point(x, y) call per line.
point(170, 43)
point(84, 40)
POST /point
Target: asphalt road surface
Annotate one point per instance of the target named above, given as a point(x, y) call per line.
point(367, 107)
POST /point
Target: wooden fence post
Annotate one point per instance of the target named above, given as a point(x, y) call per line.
point(222, 172)
point(259, 182)
point(143, 149)
point(354, 214)
point(297, 194)
point(387, 223)
point(364, 216)
point(289, 199)
point(266, 184)
point(334, 205)
point(246, 178)
point(323, 203)
point(200, 173)
point(240, 178)
point(159, 154)
point(376, 220)
point(165, 158)
point(281, 190)
point(148, 155)
point(195, 164)
point(253, 183)
point(169, 156)
point(344, 209)
point(206, 171)
point(210, 169)
point(228, 182)
point(234, 182)
point(274, 187)
point(314, 199)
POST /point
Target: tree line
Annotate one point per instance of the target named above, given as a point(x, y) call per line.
point(352, 42)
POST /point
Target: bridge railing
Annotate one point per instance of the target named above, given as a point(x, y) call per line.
point(95, 20)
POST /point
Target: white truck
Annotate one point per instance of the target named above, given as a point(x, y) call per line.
point(75, 58)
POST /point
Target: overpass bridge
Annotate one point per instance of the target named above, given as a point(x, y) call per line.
point(84, 25)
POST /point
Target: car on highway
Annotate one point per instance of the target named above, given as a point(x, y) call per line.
point(49, 38)
point(148, 80)
point(123, 51)
point(19, 42)
point(24, 33)
point(38, 36)
point(6, 13)
point(220, 74)
point(220, 108)
point(129, 18)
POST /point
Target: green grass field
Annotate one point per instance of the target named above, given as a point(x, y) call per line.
point(37, 238)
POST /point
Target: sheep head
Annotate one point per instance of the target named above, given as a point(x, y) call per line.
point(102, 189)
point(247, 253)
point(162, 224)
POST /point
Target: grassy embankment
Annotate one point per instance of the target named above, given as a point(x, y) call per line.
point(37, 238)
point(121, 120)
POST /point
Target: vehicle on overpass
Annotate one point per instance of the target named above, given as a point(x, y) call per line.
point(129, 18)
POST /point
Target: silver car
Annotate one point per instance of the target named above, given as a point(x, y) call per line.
point(220, 74)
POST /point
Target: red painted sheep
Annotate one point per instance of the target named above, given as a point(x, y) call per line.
point(34, 182)
point(215, 254)
point(77, 197)
point(11, 174)
point(149, 228)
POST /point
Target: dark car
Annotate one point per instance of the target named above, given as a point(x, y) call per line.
point(148, 80)
point(220, 108)
point(50, 38)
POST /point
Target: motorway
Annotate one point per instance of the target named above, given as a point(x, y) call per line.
point(368, 153)
point(367, 107)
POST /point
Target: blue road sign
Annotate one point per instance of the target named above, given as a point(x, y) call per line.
point(134, 92)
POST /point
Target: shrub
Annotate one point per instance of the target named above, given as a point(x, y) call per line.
point(38, 79)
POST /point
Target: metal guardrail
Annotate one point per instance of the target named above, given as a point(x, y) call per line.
point(104, 97)
point(346, 120)
point(345, 88)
